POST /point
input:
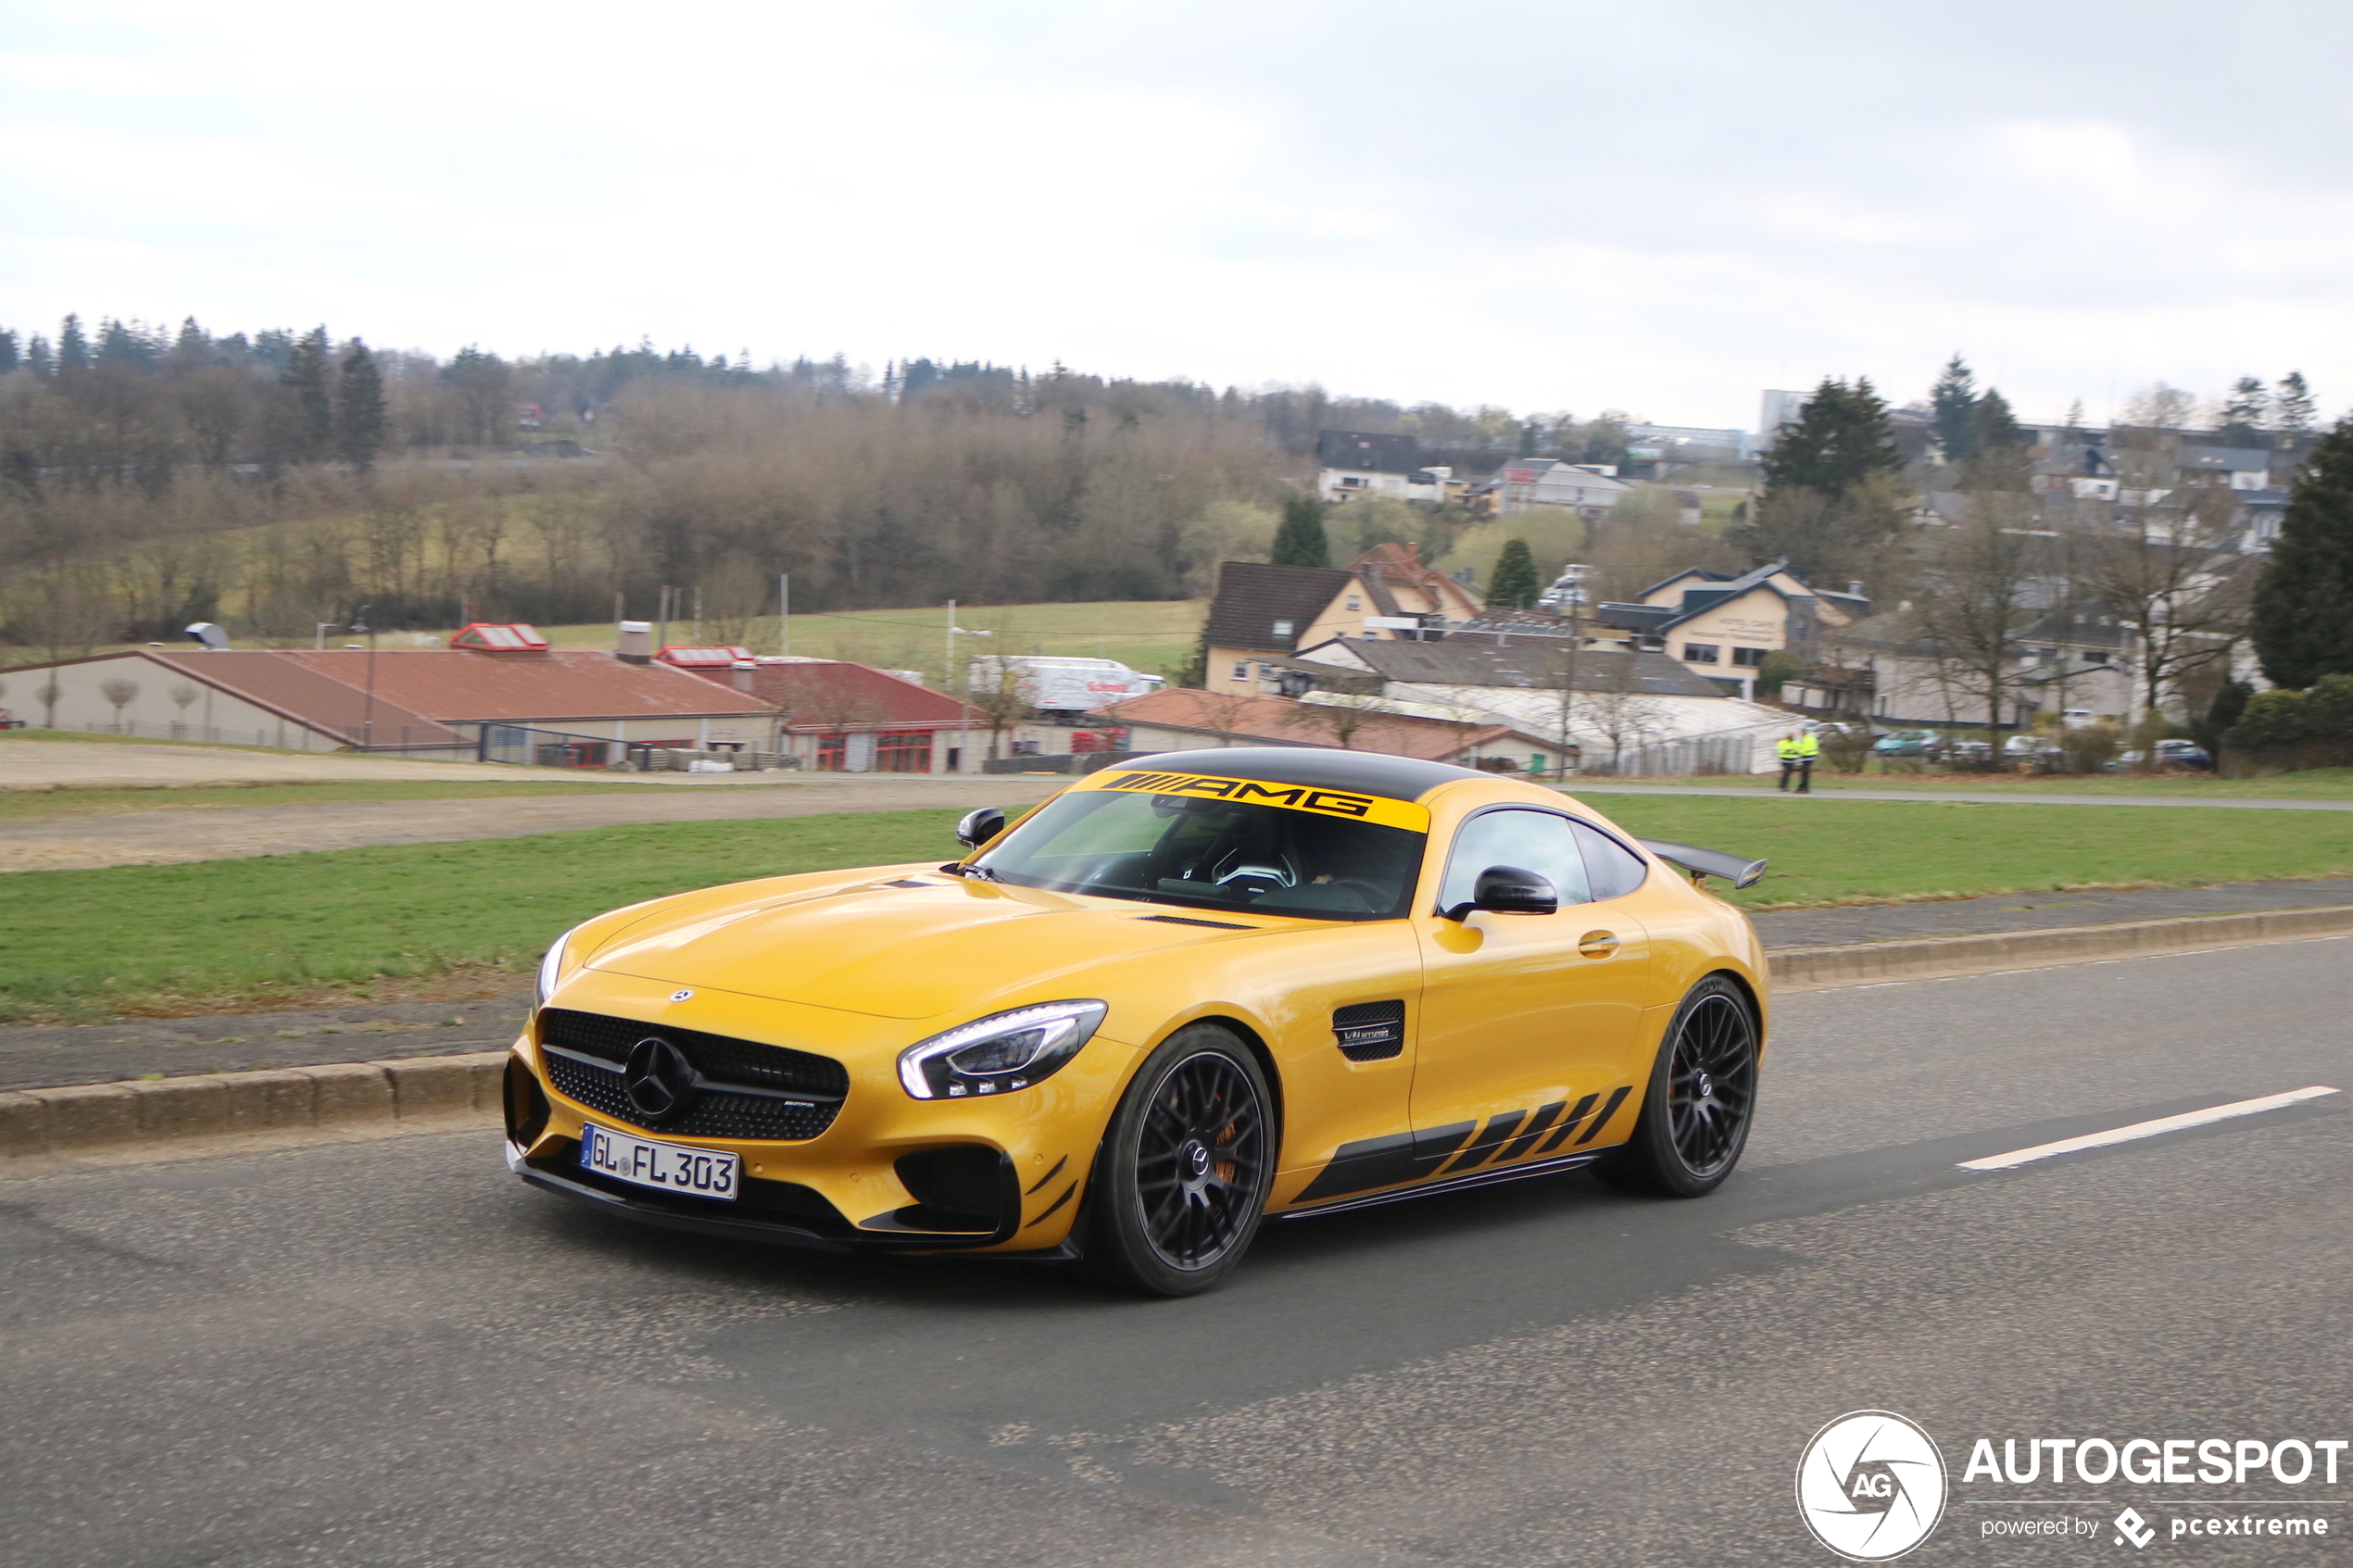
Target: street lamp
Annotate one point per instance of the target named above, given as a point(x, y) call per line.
point(948, 675)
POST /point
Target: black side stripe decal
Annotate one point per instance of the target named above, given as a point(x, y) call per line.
point(1386, 1162)
point(1536, 1125)
point(1048, 1177)
point(1562, 1132)
point(1499, 1128)
point(1616, 1098)
point(1054, 1205)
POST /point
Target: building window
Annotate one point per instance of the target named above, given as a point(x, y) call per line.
point(1748, 659)
point(1701, 653)
point(833, 753)
point(902, 751)
point(1282, 628)
point(2095, 656)
point(1355, 603)
point(1241, 671)
point(955, 760)
point(1351, 481)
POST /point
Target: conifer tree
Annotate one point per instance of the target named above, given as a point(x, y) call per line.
point(1300, 540)
point(305, 378)
point(359, 409)
point(2246, 412)
point(8, 352)
point(2302, 627)
point(73, 348)
point(1840, 439)
point(1954, 398)
point(1833, 486)
point(2293, 411)
point(1515, 585)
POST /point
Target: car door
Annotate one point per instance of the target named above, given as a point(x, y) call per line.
point(1530, 1023)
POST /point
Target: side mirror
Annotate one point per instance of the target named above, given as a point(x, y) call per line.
point(979, 826)
point(1508, 890)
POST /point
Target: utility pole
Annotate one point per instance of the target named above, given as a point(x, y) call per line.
point(783, 613)
point(661, 637)
point(368, 713)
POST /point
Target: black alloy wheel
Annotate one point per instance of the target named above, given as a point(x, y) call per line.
point(1701, 1092)
point(1183, 1175)
point(1711, 1083)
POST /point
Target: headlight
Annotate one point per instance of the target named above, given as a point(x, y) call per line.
point(1001, 1053)
point(550, 968)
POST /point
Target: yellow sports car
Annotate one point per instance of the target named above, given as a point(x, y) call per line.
point(1180, 995)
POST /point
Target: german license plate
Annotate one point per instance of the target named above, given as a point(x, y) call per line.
point(666, 1167)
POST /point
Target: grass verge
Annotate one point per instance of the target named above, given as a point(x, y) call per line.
point(2312, 783)
point(454, 920)
point(50, 805)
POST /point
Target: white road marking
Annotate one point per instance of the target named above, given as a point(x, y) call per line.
point(2146, 1129)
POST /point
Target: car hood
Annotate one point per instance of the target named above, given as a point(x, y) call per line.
point(901, 947)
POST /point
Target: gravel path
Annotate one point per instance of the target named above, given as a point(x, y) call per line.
point(228, 832)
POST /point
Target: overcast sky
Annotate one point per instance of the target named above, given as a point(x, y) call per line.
point(1661, 205)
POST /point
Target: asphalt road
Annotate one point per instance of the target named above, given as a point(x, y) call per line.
point(392, 1353)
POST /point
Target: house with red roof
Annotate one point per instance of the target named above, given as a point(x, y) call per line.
point(838, 717)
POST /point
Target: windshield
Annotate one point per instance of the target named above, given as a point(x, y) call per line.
point(1210, 854)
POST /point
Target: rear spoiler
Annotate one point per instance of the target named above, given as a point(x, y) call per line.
point(1707, 862)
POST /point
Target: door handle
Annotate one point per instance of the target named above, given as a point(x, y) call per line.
point(1597, 944)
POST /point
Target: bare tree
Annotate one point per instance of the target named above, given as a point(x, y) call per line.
point(48, 695)
point(994, 688)
point(122, 694)
point(181, 695)
point(1337, 720)
point(1611, 703)
point(2166, 571)
point(1978, 586)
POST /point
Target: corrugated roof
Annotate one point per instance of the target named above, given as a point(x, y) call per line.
point(1252, 597)
point(310, 698)
point(455, 686)
point(1285, 722)
point(823, 695)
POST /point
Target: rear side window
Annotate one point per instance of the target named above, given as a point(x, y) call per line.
point(1615, 871)
point(1532, 841)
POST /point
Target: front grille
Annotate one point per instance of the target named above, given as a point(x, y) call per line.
point(713, 1111)
point(716, 1056)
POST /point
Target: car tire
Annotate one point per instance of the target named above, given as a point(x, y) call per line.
point(1180, 1182)
point(1700, 1100)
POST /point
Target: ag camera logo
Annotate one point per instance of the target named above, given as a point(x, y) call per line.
point(1871, 1486)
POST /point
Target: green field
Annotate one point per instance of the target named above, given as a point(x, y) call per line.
point(221, 935)
point(2312, 783)
point(49, 805)
point(1152, 635)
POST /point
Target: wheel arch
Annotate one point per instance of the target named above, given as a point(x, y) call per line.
point(1253, 1041)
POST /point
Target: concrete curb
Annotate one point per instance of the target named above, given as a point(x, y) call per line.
point(365, 1099)
point(343, 1096)
point(1929, 958)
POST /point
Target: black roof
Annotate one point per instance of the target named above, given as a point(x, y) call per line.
point(1399, 778)
point(1252, 595)
point(1371, 454)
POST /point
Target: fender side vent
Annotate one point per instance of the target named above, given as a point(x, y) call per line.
point(1213, 925)
point(1370, 1030)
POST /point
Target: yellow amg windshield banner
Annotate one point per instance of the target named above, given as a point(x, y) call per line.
point(1297, 797)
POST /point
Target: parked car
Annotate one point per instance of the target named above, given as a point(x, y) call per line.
point(1908, 743)
point(2170, 754)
